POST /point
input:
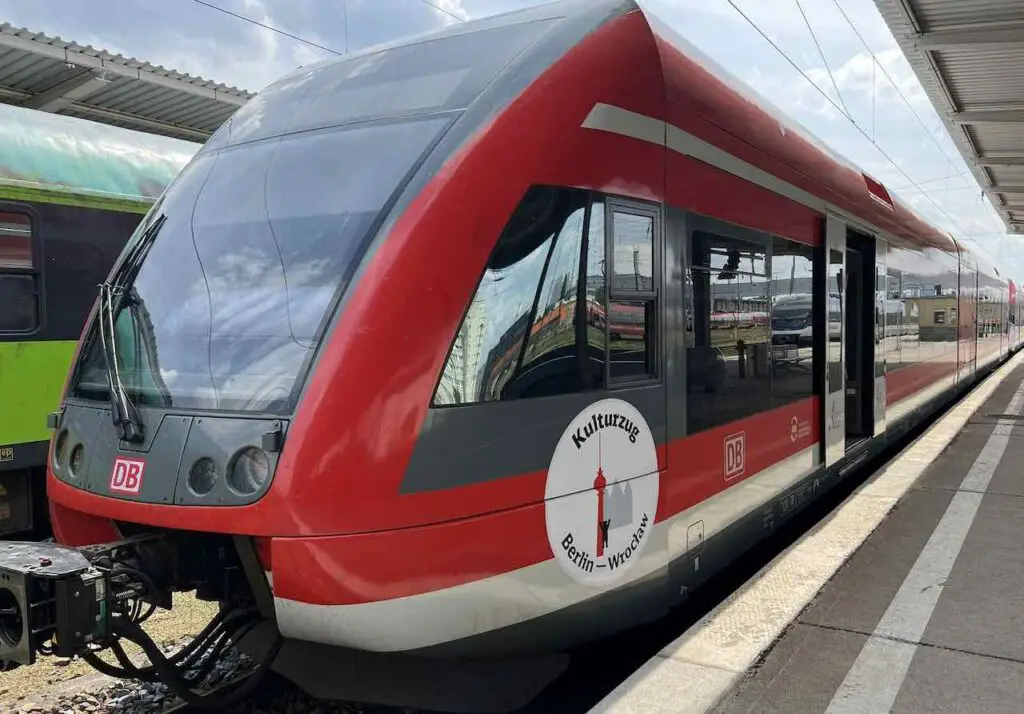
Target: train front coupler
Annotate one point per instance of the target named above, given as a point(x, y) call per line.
point(80, 602)
point(57, 600)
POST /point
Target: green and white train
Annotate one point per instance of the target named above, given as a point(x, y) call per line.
point(72, 192)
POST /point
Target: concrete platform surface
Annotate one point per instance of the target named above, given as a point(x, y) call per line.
point(909, 597)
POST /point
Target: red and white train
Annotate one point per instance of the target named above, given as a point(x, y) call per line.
point(353, 375)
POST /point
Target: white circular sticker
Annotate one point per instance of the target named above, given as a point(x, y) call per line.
point(602, 492)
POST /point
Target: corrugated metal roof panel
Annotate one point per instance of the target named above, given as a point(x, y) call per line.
point(1008, 175)
point(79, 80)
point(968, 73)
point(998, 137)
point(945, 14)
point(981, 77)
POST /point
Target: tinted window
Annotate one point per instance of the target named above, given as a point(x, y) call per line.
point(629, 339)
point(725, 252)
point(728, 355)
point(894, 318)
point(835, 320)
point(632, 310)
point(634, 252)
point(436, 75)
point(524, 334)
point(880, 311)
point(792, 323)
point(240, 279)
point(551, 363)
point(15, 241)
point(19, 299)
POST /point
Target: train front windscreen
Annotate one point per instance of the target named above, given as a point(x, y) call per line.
point(239, 264)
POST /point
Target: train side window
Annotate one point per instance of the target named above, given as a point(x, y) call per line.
point(523, 334)
point(564, 351)
point(792, 323)
point(633, 299)
point(728, 350)
point(894, 318)
point(19, 279)
point(15, 241)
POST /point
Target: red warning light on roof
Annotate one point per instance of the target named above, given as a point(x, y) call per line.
point(877, 191)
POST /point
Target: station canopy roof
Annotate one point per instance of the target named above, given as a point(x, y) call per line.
point(62, 77)
point(969, 56)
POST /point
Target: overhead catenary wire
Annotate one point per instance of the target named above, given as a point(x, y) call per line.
point(933, 180)
point(875, 60)
point(290, 35)
point(441, 9)
point(824, 61)
point(266, 26)
point(829, 99)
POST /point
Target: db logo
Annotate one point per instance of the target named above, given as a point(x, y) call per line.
point(127, 475)
point(735, 455)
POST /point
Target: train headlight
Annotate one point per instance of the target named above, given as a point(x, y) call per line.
point(202, 477)
point(60, 449)
point(77, 460)
point(249, 471)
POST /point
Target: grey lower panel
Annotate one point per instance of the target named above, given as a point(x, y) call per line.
point(463, 445)
point(173, 444)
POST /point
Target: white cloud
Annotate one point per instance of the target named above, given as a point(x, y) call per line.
point(452, 6)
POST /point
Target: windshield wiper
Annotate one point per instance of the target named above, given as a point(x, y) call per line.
point(126, 417)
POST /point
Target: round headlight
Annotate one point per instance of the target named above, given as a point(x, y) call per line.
point(202, 477)
point(249, 471)
point(77, 460)
point(60, 449)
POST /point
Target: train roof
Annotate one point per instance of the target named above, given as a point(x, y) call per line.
point(67, 155)
point(697, 87)
point(450, 69)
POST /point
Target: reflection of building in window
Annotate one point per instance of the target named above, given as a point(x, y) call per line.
point(465, 357)
point(523, 335)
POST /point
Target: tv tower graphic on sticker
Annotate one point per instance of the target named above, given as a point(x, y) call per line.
point(614, 505)
point(602, 492)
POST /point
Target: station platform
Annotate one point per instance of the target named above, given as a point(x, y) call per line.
point(909, 597)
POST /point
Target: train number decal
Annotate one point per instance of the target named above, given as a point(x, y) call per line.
point(601, 495)
point(127, 475)
point(735, 455)
point(6, 454)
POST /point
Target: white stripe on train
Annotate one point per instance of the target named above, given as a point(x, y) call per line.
point(511, 598)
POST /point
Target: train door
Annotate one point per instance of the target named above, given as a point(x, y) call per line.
point(859, 338)
point(834, 319)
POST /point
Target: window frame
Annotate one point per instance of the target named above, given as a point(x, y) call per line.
point(34, 272)
point(653, 328)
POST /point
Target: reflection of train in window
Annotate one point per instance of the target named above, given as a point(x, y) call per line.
point(792, 320)
point(627, 322)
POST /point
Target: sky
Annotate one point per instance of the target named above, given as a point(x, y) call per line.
point(842, 92)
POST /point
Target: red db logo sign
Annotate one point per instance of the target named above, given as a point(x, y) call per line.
point(735, 455)
point(127, 475)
